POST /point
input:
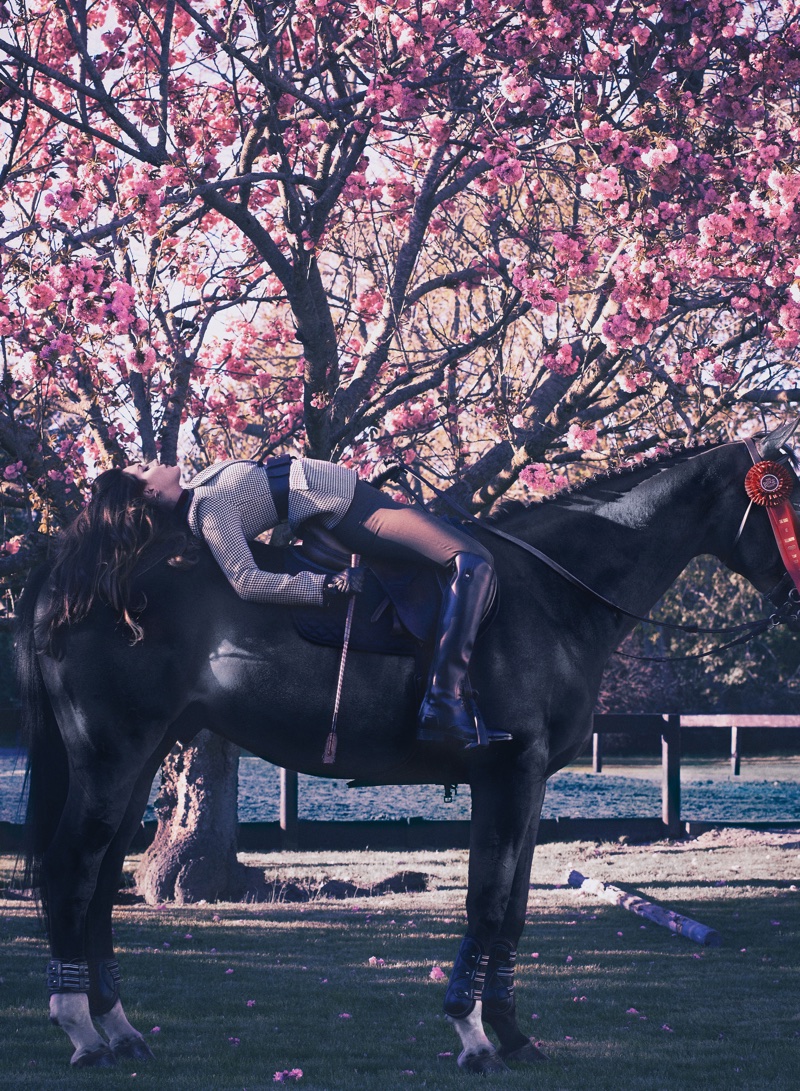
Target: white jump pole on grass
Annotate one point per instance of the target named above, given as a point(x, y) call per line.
point(682, 926)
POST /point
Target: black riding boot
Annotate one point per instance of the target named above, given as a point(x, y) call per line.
point(447, 713)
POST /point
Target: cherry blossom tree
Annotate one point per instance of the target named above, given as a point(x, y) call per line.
point(500, 240)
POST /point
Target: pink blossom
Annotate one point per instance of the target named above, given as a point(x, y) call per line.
point(12, 545)
point(582, 439)
point(537, 476)
point(437, 974)
point(469, 41)
point(724, 374)
point(439, 131)
point(603, 185)
point(288, 1075)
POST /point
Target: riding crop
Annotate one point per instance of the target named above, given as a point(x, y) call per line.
point(329, 754)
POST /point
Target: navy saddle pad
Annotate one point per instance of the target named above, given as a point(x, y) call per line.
point(396, 614)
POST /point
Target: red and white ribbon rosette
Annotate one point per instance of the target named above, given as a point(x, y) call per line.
point(769, 485)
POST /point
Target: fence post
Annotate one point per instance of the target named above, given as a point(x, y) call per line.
point(597, 752)
point(288, 809)
point(671, 776)
point(735, 761)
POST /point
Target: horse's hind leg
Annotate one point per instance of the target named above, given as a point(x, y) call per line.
point(507, 796)
point(96, 807)
point(105, 1004)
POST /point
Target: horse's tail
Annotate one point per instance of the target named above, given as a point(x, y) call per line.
point(47, 775)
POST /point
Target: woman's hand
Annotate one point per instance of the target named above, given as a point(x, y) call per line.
point(350, 581)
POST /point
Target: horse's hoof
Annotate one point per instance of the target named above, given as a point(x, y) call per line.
point(102, 1057)
point(527, 1054)
point(133, 1048)
point(486, 1063)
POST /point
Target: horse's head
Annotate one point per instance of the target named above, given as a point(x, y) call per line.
point(755, 553)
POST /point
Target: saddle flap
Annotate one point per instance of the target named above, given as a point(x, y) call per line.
point(405, 629)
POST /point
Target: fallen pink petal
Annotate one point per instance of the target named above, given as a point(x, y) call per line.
point(229, 971)
point(445, 1053)
point(234, 1041)
point(251, 1003)
point(568, 958)
point(345, 1015)
point(665, 1026)
point(156, 1030)
point(437, 974)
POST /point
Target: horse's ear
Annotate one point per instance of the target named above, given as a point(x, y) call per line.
point(772, 443)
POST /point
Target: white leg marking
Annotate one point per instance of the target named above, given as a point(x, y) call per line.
point(71, 1012)
point(473, 1037)
point(116, 1026)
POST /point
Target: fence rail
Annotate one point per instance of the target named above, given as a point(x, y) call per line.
point(667, 726)
point(289, 832)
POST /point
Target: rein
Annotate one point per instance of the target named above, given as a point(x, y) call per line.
point(783, 526)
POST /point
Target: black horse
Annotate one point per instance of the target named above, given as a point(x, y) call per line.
point(104, 714)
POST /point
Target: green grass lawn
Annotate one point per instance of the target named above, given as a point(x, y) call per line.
point(713, 1019)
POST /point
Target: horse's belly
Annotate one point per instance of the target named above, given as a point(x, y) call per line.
point(279, 703)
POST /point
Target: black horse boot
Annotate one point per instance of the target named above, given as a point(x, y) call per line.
point(447, 713)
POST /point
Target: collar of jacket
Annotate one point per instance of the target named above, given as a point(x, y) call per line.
point(210, 472)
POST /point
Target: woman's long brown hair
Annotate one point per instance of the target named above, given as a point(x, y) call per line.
point(100, 550)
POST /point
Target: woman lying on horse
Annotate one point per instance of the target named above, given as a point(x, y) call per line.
point(229, 504)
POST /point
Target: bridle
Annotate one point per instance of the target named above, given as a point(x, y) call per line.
point(768, 482)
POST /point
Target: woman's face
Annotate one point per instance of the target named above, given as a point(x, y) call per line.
point(158, 480)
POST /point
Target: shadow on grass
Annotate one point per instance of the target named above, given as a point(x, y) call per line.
point(616, 1003)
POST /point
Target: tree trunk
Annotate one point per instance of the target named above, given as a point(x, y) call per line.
point(193, 856)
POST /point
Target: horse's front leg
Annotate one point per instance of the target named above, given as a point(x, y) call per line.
point(499, 998)
point(507, 797)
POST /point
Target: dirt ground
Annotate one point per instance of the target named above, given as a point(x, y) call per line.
point(715, 866)
point(717, 856)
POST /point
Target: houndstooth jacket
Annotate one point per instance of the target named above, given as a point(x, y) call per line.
point(231, 505)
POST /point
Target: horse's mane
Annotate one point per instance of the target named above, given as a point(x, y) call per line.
point(607, 485)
